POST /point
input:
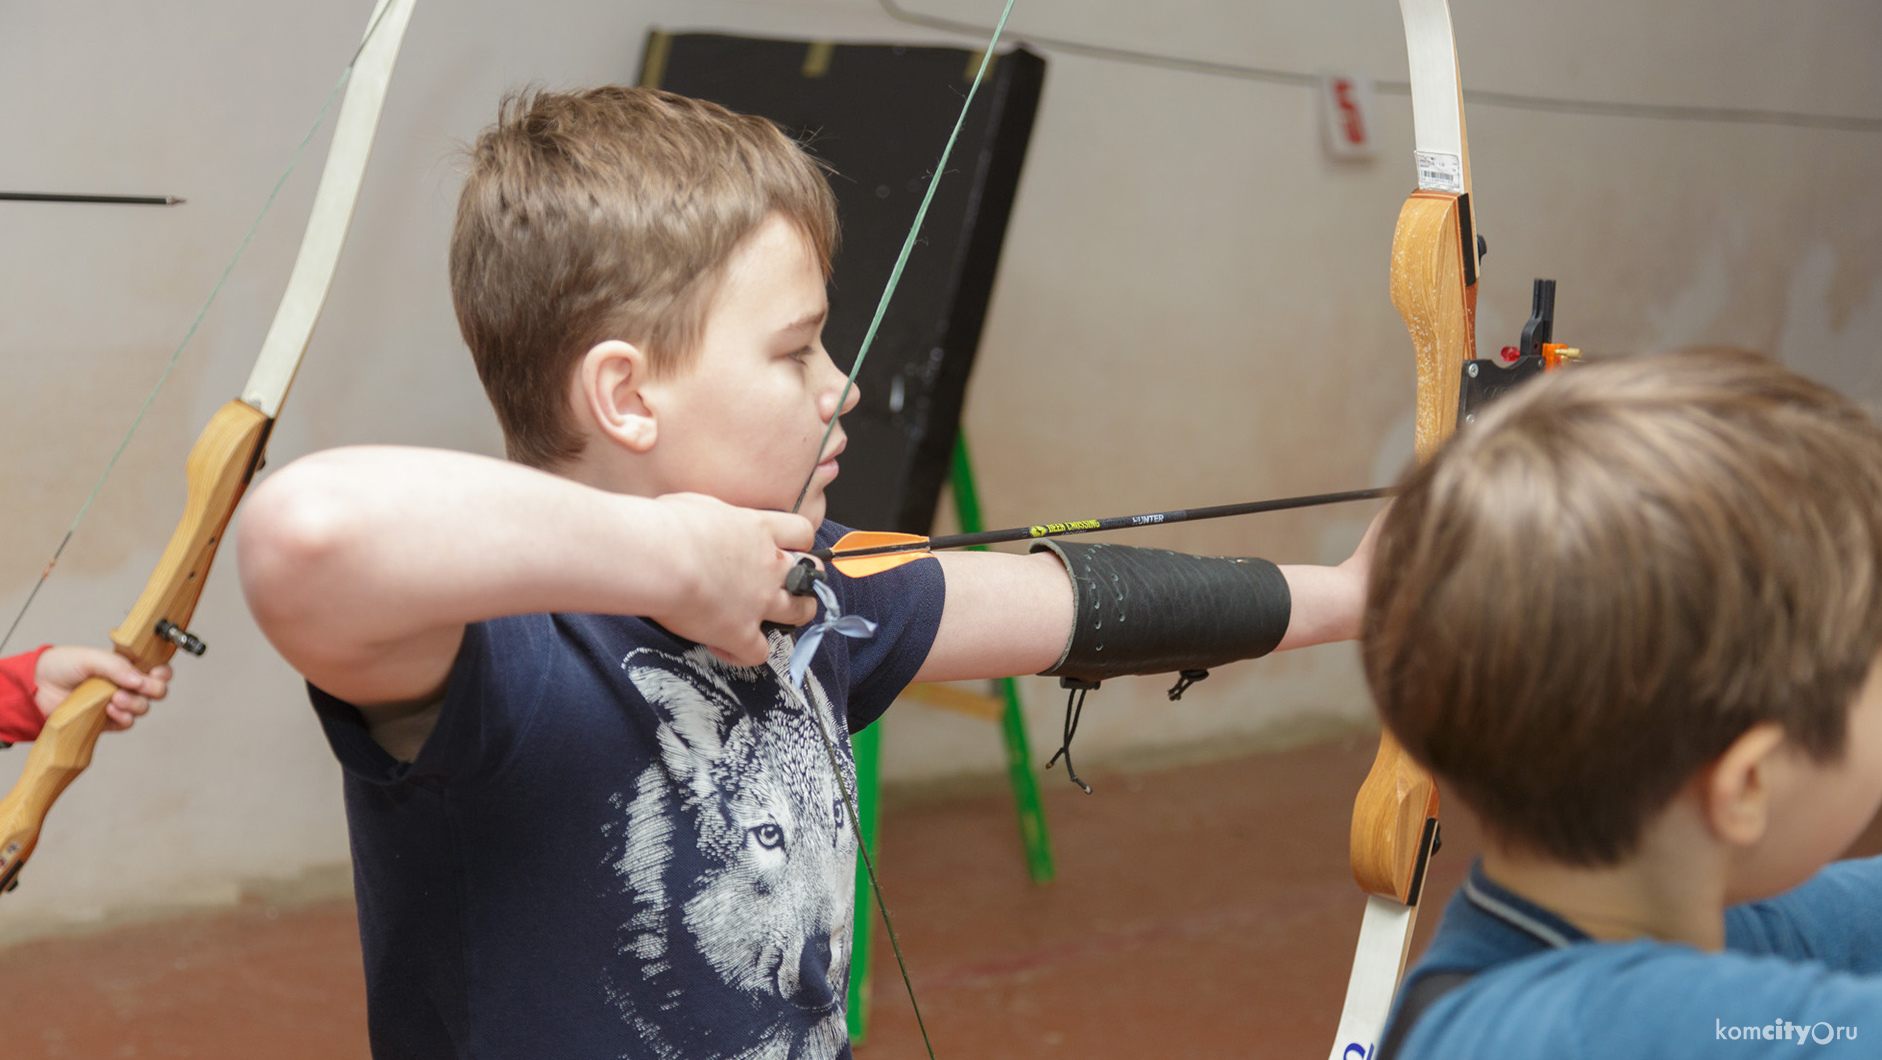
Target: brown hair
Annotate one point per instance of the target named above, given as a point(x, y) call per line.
point(602, 214)
point(1589, 594)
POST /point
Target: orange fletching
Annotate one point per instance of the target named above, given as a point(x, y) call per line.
point(864, 566)
point(857, 539)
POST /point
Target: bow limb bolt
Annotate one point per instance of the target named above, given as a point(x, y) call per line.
point(223, 460)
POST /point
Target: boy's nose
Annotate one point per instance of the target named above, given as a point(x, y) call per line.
point(827, 406)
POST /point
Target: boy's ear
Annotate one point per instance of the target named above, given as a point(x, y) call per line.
point(1736, 792)
point(608, 386)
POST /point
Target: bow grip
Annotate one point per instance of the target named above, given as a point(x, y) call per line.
point(220, 466)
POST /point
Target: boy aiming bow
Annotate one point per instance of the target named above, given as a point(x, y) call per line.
point(591, 815)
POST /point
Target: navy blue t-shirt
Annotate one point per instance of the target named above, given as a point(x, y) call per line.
point(614, 844)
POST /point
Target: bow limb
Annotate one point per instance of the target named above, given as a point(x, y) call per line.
point(223, 460)
point(1435, 256)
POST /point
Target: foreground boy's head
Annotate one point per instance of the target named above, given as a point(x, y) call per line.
point(640, 279)
point(1640, 592)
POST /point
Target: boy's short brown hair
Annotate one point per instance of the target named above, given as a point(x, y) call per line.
point(1589, 594)
point(603, 214)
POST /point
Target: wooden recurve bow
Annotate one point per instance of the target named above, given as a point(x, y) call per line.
point(1435, 254)
point(223, 460)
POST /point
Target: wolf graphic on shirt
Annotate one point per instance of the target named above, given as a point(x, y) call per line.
point(739, 863)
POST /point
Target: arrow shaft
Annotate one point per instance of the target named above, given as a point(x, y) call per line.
point(112, 200)
point(1116, 522)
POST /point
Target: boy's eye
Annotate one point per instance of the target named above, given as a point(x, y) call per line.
point(769, 836)
point(800, 354)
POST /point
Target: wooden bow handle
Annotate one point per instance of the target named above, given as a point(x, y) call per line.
point(1434, 289)
point(220, 466)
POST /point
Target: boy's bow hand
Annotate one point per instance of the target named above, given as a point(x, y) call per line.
point(62, 669)
point(1357, 569)
point(736, 562)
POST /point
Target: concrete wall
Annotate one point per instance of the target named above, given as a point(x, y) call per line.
point(1192, 310)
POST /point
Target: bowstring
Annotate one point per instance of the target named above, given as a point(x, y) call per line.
point(901, 260)
point(176, 354)
point(850, 798)
point(854, 814)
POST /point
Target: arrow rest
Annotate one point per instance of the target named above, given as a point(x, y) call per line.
point(1486, 379)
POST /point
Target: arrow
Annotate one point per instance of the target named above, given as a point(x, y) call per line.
point(861, 553)
point(115, 200)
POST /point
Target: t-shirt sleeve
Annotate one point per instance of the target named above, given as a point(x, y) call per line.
point(905, 603)
point(1835, 917)
point(491, 698)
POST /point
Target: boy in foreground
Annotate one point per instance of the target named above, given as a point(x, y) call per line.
point(591, 813)
point(1631, 618)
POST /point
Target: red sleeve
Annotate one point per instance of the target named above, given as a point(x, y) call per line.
point(20, 719)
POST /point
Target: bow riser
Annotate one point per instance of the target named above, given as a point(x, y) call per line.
point(220, 466)
point(1438, 301)
point(1389, 816)
point(219, 469)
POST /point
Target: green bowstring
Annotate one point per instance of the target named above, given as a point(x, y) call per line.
point(850, 797)
point(175, 355)
point(901, 260)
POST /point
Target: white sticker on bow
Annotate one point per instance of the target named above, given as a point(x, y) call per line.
point(1440, 171)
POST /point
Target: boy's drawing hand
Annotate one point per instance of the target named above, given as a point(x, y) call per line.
point(738, 561)
point(63, 668)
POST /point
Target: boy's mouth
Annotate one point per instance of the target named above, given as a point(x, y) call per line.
point(829, 462)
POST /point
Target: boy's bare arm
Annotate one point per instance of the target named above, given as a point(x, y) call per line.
point(364, 565)
point(1008, 615)
point(1005, 615)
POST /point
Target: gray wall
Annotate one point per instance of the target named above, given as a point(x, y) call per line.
point(1192, 310)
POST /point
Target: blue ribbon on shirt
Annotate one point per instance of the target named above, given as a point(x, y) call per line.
point(833, 621)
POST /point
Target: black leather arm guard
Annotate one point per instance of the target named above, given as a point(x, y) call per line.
point(1150, 611)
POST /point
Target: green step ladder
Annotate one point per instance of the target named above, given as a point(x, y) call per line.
point(867, 746)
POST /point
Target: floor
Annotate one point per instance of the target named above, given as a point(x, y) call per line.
point(1201, 911)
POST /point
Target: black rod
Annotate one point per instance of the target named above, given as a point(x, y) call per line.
point(115, 200)
point(1116, 522)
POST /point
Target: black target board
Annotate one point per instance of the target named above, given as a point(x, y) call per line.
point(879, 114)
